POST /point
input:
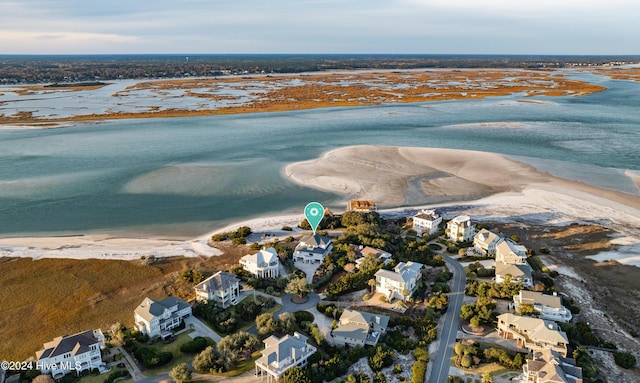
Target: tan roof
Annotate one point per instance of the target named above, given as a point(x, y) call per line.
point(536, 329)
point(534, 297)
point(361, 204)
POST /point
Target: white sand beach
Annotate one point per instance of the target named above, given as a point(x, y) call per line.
point(401, 180)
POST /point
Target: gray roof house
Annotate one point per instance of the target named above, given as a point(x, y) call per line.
point(359, 328)
point(159, 317)
point(519, 273)
point(312, 249)
point(221, 287)
point(401, 282)
point(281, 354)
point(79, 352)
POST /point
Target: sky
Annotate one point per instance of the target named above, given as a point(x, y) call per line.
point(581, 27)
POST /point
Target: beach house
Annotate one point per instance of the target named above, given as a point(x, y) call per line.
point(546, 306)
point(281, 354)
point(359, 328)
point(534, 334)
point(79, 352)
point(361, 205)
point(263, 264)
point(485, 242)
point(518, 273)
point(400, 283)
point(427, 222)
point(222, 288)
point(363, 251)
point(158, 318)
point(312, 249)
point(507, 251)
point(460, 229)
point(547, 366)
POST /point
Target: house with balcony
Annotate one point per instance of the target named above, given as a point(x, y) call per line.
point(79, 352)
point(312, 249)
point(281, 354)
point(427, 222)
point(547, 366)
point(158, 318)
point(485, 242)
point(517, 273)
point(359, 328)
point(361, 205)
point(508, 251)
point(222, 288)
point(460, 229)
point(546, 306)
point(400, 283)
point(263, 264)
point(534, 334)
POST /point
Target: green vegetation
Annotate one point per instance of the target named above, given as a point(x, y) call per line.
point(419, 368)
point(181, 373)
point(479, 313)
point(238, 237)
point(229, 352)
point(624, 359)
point(116, 376)
point(194, 346)
point(229, 320)
point(503, 290)
point(298, 286)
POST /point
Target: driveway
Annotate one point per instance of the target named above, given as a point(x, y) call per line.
point(201, 329)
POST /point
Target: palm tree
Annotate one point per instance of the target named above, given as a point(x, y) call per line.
point(372, 285)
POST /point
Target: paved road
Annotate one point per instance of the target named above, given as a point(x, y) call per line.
point(442, 358)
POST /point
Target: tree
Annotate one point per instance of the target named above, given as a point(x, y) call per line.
point(297, 375)
point(286, 322)
point(205, 361)
point(372, 285)
point(526, 310)
point(297, 286)
point(487, 377)
point(181, 373)
point(44, 378)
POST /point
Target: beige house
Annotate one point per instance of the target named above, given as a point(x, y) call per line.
point(363, 251)
point(533, 333)
point(519, 273)
point(79, 352)
point(263, 264)
point(547, 366)
point(359, 328)
point(485, 242)
point(160, 317)
point(281, 354)
point(222, 287)
point(507, 251)
point(427, 222)
point(546, 306)
point(460, 229)
point(400, 283)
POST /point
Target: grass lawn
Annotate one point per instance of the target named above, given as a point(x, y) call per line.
point(102, 377)
point(174, 348)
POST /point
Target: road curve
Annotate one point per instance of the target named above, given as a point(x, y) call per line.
point(442, 358)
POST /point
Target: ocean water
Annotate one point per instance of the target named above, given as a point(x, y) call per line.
point(187, 176)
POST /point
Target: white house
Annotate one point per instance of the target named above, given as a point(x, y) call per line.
point(263, 264)
point(312, 249)
point(534, 334)
point(507, 251)
point(159, 317)
point(79, 352)
point(518, 273)
point(281, 354)
point(485, 242)
point(401, 281)
point(359, 328)
point(460, 229)
point(427, 222)
point(546, 306)
point(548, 366)
point(222, 287)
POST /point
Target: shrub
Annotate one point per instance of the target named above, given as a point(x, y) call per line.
point(114, 376)
point(418, 371)
point(624, 359)
point(287, 228)
point(194, 346)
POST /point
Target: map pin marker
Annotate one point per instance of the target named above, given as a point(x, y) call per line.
point(314, 212)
